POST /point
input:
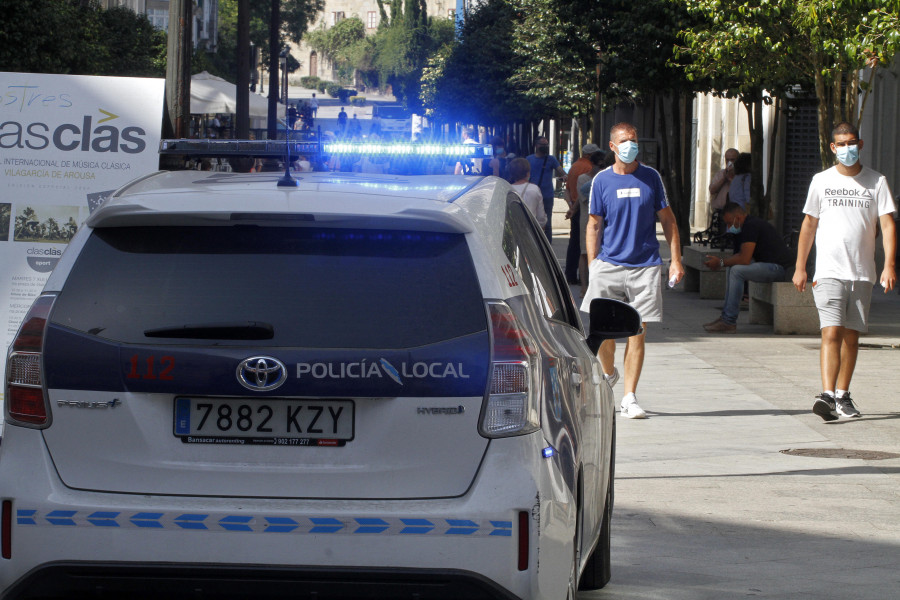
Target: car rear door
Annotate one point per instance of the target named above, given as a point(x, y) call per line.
point(268, 361)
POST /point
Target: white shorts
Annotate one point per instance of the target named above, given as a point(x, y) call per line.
point(843, 303)
point(638, 286)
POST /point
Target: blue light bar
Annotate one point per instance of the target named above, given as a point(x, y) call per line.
point(403, 149)
point(548, 452)
point(251, 148)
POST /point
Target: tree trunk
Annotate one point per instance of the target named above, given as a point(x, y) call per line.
point(675, 157)
point(767, 198)
point(754, 117)
point(178, 69)
point(242, 101)
point(274, 52)
point(825, 120)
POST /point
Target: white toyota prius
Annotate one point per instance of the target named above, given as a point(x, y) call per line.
point(361, 386)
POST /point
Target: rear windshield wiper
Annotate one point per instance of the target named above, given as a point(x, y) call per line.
point(239, 330)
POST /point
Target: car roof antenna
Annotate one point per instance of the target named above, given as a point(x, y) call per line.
point(287, 180)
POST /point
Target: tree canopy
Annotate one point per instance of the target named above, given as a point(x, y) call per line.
point(471, 81)
point(79, 38)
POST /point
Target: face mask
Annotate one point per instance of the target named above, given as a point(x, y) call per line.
point(848, 155)
point(628, 151)
point(734, 229)
point(729, 164)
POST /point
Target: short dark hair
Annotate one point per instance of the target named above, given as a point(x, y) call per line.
point(844, 127)
point(731, 208)
point(519, 168)
point(744, 163)
point(623, 126)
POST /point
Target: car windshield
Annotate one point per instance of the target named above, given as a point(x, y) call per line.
point(290, 286)
point(393, 112)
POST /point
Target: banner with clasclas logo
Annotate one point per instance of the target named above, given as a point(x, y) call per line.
point(66, 143)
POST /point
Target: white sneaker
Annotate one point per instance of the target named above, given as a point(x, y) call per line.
point(612, 379)
point(630, 408)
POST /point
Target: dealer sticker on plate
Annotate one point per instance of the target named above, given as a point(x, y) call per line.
point(273, 422)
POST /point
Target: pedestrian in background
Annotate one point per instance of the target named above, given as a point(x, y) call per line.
point(760, 254)
point(498, 164)
point(467, 167)
point(342, 121)
point(721, 181)
point(598, 163)
point(543, 168)
point(843, 208)
point(739, 190)
point(576, 233)
point(623, 251)
point(519, 171)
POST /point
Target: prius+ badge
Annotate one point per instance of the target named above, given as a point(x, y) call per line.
point(85, 404)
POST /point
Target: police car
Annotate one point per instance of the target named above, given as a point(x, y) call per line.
point(355, 386)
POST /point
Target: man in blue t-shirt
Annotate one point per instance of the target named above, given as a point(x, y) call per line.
point(623, 252)
point(543, 167)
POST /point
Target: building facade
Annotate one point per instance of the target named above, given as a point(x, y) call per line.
point(204, 25)
point(315, 65)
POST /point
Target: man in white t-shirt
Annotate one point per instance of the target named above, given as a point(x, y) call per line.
point(843, 208)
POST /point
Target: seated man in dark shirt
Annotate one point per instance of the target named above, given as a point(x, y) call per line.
point(759, 255)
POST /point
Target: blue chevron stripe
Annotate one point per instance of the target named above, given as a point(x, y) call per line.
point(266, 524)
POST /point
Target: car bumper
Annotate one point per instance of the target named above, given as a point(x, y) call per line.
point(459, 547)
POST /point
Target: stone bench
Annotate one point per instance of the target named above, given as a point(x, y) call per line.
point(780, 304)
point(700, 278)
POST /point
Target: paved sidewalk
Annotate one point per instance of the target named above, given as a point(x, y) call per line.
point(708, 505)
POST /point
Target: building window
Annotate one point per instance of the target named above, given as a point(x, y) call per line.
point(337, 17)
point(371, 19)
point(451, 14)
point(159, 18)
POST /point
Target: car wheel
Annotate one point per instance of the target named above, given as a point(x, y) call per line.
point(598, 569)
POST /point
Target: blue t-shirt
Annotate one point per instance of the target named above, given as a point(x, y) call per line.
point(537, 164)
point(628, 205)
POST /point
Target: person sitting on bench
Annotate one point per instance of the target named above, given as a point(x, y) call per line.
point(759, 255)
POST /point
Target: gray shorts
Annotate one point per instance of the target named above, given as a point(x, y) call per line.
point(843, 303)
point(638, 286)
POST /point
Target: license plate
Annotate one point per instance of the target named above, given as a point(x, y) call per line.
point(270, 422)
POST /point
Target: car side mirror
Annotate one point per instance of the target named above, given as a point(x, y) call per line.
point(611, 319)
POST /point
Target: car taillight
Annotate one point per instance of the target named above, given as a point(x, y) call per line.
point(513, 404)
point(25, 402)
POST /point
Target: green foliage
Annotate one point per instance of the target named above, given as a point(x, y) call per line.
point(743, 46)
point(333, 89)
point(68, 36)
point(358, 101)
point(470, 81)
point(403, 44)
point(345, 45)
point(555, 39)
point(309, 82)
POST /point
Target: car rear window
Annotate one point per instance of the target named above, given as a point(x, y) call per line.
point(310, 287)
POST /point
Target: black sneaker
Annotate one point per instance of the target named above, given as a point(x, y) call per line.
point(844, 406)
point(824, 406)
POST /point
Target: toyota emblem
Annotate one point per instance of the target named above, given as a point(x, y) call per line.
point(261, 373)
